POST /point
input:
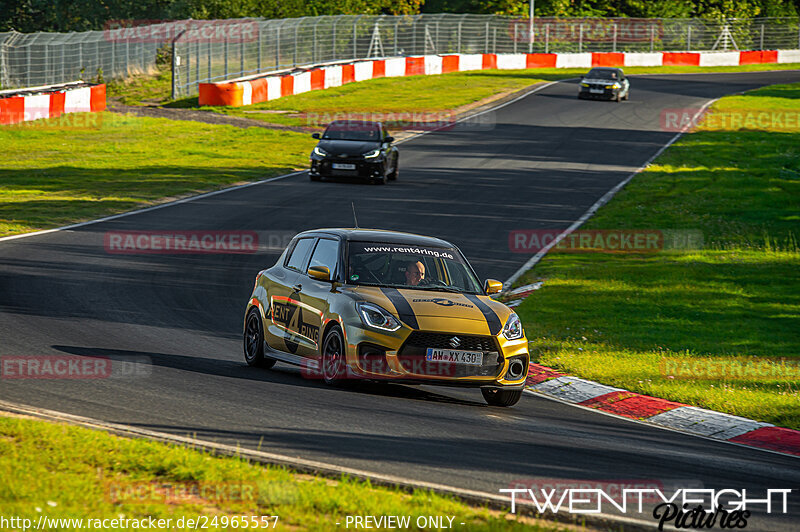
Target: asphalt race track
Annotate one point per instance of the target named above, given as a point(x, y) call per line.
point(537, 163)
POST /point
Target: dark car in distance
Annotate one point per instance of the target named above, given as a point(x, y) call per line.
point(605, 83)
point(357, 149)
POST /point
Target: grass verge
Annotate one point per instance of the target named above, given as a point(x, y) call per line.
point(413, 94)
point(64, 472)
point(83, 166)
point(717, 327)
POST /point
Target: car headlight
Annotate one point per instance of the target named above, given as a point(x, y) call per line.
point(513, 328)
point(376, 317)
point(372, 154)
point(614, 86)
point(584, 84)
point(319, 151)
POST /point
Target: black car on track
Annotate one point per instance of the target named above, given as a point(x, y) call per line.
point(357, 149)
point(605, 83)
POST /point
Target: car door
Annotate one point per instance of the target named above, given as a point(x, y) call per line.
point(316, 295)
point(285, 316)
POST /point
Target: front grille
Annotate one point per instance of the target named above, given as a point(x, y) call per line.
point(412, 355)
point(442, 341)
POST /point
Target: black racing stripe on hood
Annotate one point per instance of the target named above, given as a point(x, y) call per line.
point(492, 320)
point(404, 310)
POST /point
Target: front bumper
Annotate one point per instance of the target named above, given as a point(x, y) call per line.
point(362, 168)
point(401, 357)
point(607, 94)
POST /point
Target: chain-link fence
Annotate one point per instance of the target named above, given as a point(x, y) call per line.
point(272, 45)
point(204, 51)
point(35, 59)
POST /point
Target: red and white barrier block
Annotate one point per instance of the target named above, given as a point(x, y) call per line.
point(23, 105)
point(691, 419)
point(269, 87)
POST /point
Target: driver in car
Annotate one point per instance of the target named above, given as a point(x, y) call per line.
point(415, 273)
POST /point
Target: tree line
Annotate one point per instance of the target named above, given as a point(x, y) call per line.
point(81, 15)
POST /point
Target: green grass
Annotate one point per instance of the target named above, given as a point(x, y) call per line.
point(69, 472)
point(52, 174)
point(615, 318)
point(142, 89)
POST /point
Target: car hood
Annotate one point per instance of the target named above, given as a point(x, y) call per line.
point(431, 311)
point(348, 148)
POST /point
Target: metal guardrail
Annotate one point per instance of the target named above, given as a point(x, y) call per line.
point(207, 51)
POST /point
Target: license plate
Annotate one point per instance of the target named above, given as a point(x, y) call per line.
point(343, 166)
point(472, 358)
point(596, 91)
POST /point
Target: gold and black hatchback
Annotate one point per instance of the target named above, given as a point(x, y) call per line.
point(389, 306)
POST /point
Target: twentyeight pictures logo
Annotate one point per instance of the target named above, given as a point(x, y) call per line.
point(682, 508)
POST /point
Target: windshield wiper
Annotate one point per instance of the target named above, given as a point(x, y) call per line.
point(439, 289)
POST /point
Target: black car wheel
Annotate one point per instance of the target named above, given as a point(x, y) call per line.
point(381, 180)
point(396, 170)
point(254, 341)
point(334, 366)
point(314, 177)
point(498, 397)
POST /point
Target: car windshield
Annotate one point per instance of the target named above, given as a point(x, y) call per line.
point(410, 266)
point(601, 73)
point(352, 130)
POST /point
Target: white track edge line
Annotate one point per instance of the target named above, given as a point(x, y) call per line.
point(308, 465)
point(599, 203)
point(152, 207)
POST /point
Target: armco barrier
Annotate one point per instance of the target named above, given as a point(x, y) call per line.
point(23, 105)
point(272, 86)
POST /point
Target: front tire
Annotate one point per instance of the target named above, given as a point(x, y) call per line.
point(396, 170)
point(334, 363)
point(254, 341)
point(499, 397)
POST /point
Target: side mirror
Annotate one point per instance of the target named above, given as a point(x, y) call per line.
point(388, 139)
point(582, 76)
point(492, 286)
point(320, 273)
point(315, 136)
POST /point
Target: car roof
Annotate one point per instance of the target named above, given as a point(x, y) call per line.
point(378, 235)
point(608, 68)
